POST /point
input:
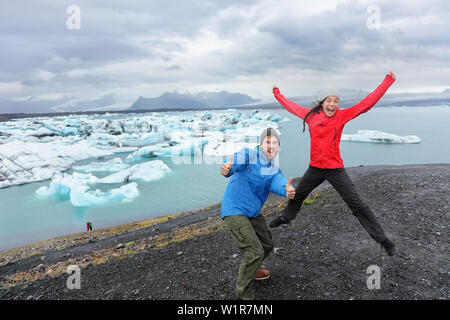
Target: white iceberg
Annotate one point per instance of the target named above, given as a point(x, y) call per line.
point(112, 165)
point(147, 171)
point(189, 147)
point(23, 162)
point(285, 119)
point(375, 136)
point(80, 196)
point(62, 185)
point(145, 152)
point(76, 188)
point(70, 131)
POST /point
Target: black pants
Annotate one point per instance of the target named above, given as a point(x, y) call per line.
point(340, 180)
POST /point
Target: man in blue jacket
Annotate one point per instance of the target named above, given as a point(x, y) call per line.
point(252, 176)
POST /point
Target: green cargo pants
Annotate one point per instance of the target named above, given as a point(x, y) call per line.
point(254, 240)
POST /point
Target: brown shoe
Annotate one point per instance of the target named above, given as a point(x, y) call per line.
point(262, 274)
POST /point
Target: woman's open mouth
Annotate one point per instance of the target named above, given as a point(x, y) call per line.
point(330, 111)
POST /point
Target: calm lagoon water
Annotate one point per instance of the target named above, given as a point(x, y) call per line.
point(24, 217)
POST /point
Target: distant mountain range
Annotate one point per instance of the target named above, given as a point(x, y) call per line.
point(202, 100)
point(208, 100)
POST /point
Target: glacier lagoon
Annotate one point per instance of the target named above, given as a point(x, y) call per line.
point(113, 183)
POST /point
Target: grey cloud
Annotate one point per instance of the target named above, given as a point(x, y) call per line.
point(29, 106)
point(103, 101)
point(33, 36)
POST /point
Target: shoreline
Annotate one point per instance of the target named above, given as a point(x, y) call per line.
point(10, 116)
point(166, 238)
point(64, 241)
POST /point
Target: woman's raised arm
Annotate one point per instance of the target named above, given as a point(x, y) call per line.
point(368, 102)
point(290, 106)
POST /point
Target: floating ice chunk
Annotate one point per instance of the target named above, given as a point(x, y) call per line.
point(70, 131)
point(206, 116)
point(125, 193)
point(80, 196)
point(177, 136)
point(150, 138)
point(71, 122)
point(375, 136)
point(146, 171)
point(42, 132)
point(137, 140)
point(123, 150)
point(62, 184)
point(112, 165)
point(76, 188)
point(275, 118)
point(191, 146)
point(145, 152)
point(23, 162)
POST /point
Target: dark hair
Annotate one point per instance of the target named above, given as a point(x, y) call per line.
point(316, 107)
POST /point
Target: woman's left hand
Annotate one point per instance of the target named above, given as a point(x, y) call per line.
point(392, 75)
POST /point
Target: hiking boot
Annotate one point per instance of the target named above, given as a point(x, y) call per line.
point(262, 274)
point(389, 246)
point(277, 221)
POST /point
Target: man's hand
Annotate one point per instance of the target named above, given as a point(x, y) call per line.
point(226, 167)
point(290, 190)
point(392, 75)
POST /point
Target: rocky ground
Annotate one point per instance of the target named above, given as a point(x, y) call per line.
point(323, 254)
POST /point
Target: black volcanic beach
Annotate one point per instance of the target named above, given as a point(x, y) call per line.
point(323, 254)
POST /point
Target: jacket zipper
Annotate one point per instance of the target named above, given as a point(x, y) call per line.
point(335, 134)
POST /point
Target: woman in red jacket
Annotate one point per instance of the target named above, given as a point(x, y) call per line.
point(326, 122)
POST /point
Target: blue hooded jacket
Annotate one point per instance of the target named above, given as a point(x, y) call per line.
point(252, 177)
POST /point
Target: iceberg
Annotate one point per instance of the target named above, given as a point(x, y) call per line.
point(137, 140)
point(62, 184)
point(375, 136)
point(81, 197)
point(192, 146)
point(123, 150)
point(285, 119)
point(147, 171)
point(145, 152)
point(23, 162)
point(76, 188)
point(70, 131)
point(112, 165)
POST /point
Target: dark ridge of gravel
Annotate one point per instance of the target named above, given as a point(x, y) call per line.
point(323, 254)
point(79, 249)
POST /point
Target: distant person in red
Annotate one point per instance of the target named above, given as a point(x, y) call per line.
point(88, 226)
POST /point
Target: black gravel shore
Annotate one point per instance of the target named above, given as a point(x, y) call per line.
point(323, 254)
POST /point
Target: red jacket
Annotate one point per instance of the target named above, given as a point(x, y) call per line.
point(326, 131)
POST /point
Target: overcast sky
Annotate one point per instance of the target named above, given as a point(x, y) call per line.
point(127, 49)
